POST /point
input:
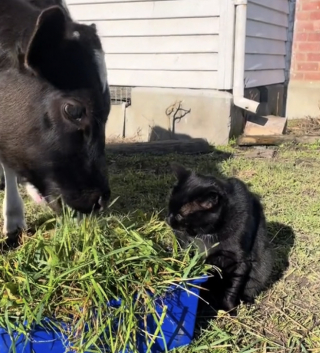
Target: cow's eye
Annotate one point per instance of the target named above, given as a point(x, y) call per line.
point(74, 111)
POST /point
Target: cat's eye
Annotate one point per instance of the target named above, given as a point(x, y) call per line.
point(213, 195)
point(214, 198)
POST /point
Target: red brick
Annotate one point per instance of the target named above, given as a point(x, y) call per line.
point(309, 47)
point(315, 15)
point(297, 75)
point(308, 67)
point(301, 37)
point(313, 76)
point(295, 67)
point(301, 57)
point(308, 5)
point(314, 37)
point(303, 15)
point(304, 26)
point(313, 57)
point(316, 26)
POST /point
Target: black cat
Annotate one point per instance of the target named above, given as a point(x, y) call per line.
point(209, 210)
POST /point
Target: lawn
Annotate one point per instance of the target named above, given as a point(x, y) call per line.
point(285, 318)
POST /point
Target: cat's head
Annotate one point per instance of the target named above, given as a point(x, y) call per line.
point(196, 204)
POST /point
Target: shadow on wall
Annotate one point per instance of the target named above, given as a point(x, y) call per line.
point(175, 114)
point(159, 134)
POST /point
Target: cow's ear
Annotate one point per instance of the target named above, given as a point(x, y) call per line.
point(48, 34)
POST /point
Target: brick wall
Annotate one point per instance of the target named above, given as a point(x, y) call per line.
point(305, 64)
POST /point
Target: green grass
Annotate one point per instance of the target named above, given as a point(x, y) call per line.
point(285, 318)
point(72, 271)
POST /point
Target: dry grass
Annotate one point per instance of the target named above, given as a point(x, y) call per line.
point(286, 318)
point(307, 126)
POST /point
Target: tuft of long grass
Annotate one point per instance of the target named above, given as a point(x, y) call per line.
point(73, 272)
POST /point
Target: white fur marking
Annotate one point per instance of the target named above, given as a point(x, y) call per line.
point(101, 62)
point(34, 194)
point(13, 210)
point(76, 34)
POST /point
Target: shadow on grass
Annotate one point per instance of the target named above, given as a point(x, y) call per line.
point(141, 177)
point(282, 239)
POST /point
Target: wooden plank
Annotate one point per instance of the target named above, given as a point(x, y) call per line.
point(178, 62)
point(264, 77)
point(192, 146)
point(263, 14)
point(254, 62)
point(275, 140)
point(265, 126)
point(278, 5)
point(145, 9)
point(266, 30)
point(157, 27)
point(168, 79)
point(171, 44)
point(265, 46)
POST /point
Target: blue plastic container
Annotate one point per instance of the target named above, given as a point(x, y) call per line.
point(178, 326)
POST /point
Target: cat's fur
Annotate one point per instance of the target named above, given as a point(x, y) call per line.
point(213, 210)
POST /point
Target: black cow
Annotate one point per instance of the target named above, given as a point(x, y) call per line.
point(54, 104)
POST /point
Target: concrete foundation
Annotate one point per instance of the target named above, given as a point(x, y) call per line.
point(115, 123)
point(157, 114)
point(161, 114)
point(303, 99)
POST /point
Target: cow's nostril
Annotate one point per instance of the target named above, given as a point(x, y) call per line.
point(103, 201)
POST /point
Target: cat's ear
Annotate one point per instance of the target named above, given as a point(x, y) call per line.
point(180, 171)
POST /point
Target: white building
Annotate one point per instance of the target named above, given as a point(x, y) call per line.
point(181, 53)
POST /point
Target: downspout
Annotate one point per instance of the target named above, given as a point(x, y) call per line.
point(239, 58)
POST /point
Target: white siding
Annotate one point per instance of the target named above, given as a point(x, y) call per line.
point(186, 43)
point(267, 24)
point(159, 43)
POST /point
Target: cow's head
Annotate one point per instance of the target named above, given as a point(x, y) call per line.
point(53, 116)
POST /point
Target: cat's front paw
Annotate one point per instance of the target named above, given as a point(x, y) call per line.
point(248, 299)
point(229, 306)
